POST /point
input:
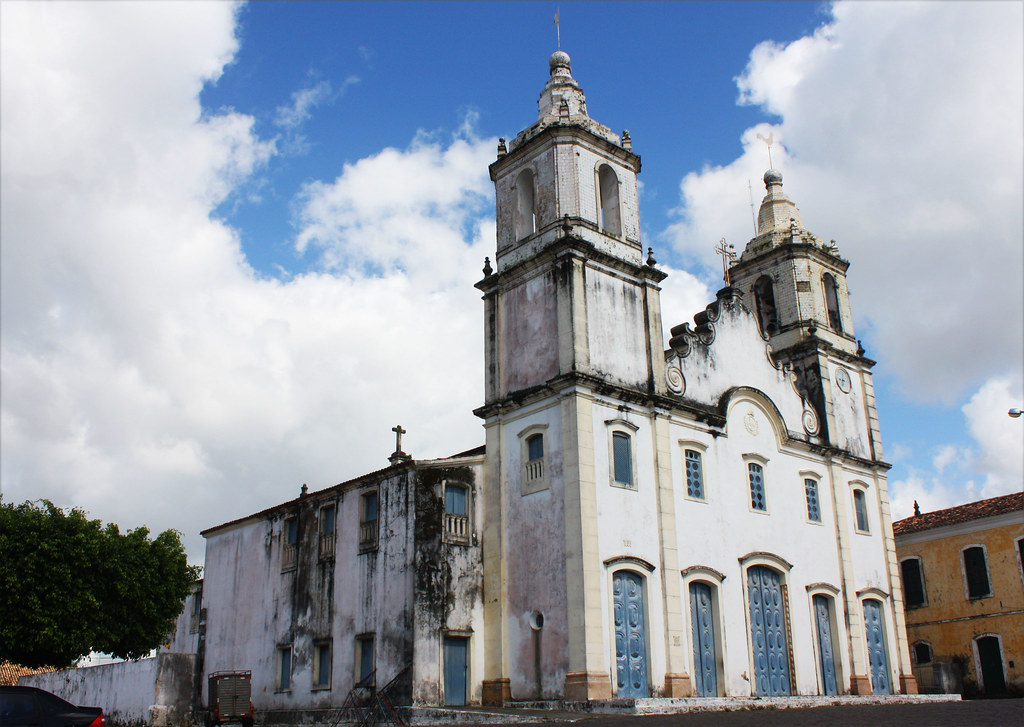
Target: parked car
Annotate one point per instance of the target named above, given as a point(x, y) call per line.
point(31, 707)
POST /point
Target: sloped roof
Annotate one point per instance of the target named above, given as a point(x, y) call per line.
point(959, 514)
point(390, 470)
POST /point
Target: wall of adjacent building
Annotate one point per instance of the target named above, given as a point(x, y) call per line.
point(949, 620)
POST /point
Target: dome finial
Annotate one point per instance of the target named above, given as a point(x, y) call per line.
point(559, 63)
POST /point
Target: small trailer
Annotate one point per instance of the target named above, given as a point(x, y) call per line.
point(230, 698)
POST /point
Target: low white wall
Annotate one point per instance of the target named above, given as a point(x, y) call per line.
point(154, 691)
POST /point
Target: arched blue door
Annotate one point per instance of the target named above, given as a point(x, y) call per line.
point(768, 632)
point(630, 639)
point(705, 659)
point(823, 617)
point(877, 659)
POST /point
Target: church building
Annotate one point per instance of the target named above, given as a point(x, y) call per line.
point(707, 520)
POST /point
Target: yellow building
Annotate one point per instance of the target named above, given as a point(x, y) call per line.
point(963, 584)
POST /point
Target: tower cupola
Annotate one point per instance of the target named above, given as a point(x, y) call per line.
point(777, 210)
point(794, 279)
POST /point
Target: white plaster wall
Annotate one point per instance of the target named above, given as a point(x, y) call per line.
point(719, 532)
point(615, 328)
point(241, 574)
point(739, 356)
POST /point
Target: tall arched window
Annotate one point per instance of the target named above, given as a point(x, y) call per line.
point(764, 294)
point(835, 321)
point(526, 210)
point(609, 185)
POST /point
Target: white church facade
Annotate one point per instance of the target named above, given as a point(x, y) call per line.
point(707, 520)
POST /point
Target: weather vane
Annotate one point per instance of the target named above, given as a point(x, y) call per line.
point(768, 141)
point(558, 29)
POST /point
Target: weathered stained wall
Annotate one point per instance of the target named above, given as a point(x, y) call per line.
point(534, 560)
point(448, 582)
point(615, 328)
point(155, 691)
point(528, 349)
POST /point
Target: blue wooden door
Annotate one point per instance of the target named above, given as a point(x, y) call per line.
point(630, 638)
point(823, 617)
point(456, 668)
point(877, 659)
point(768, 632)
point(705, 659)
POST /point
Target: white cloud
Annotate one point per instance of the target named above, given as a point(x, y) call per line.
point(149, 375)
point(999, 438)
point(991, 463)
point(303, 102)
point(902, 126)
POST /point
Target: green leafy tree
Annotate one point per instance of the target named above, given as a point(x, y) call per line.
point(70, 586)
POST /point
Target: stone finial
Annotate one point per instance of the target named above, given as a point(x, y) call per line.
point(627, 142)
point(488, 270)
point(566, 225)
point(650, 257)
point(860, 348)
point(917, 509)
point(502, 149)
point(304, 490)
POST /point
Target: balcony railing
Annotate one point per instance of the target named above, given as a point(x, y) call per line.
point(327, 541)
point(289, 555)
point(456, 528)
point(534, 469)
point(368, 535)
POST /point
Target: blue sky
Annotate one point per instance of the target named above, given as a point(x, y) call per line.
point(239, 241)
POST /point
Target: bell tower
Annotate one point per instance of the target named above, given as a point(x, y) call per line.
point(571, 293)
point(573, 339)
point(797, 284)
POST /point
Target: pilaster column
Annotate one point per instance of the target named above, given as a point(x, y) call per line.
point(677, 681)
point(588, 675)
point(495, 688)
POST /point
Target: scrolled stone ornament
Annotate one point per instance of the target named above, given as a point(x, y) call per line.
point(810, 420)
point(674, 378)
point(706, 333)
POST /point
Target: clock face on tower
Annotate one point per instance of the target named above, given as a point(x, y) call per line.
point(843, 380)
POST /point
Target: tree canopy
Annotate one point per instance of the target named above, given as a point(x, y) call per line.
point(70, 585)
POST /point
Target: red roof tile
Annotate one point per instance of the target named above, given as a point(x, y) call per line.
point(959, 514)
point(11, 673)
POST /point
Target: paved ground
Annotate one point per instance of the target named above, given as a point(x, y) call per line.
point(974, 713)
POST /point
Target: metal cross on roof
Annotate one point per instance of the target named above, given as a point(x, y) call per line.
point(728, 253)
